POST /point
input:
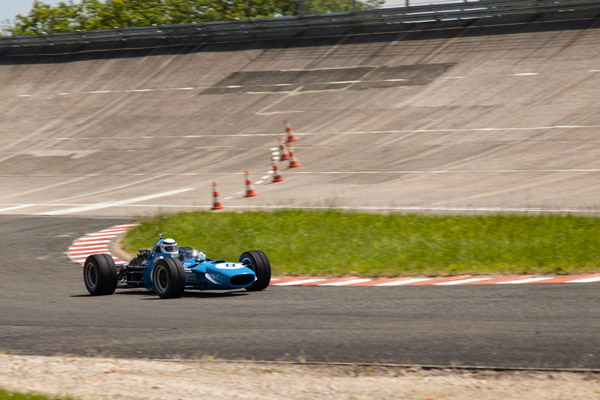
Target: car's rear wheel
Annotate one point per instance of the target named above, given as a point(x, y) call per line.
point(100, 274)
point(258, 262)
point(168, 277)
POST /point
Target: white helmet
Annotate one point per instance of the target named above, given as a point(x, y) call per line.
point(169, 246)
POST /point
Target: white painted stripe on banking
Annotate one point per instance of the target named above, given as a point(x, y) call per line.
point(299, 282)
point(371, 208)
point(379, 172)
point(339, 82)
point(446, 171)
point(527, 280)
point(328, 133)
point(283, 206)
point(114, 203)
point(111, 189)
point(377, 208)
point(400, 208)
point(344, 283)
point(461, 282)
point(15, 207)
point(586, 280)
point(442, 130)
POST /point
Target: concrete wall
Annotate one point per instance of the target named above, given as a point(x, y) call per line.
point(475, 115)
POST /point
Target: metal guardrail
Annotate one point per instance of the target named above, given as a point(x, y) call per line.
point(412, 14)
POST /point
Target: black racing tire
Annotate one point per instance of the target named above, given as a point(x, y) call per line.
point(168, 277)
point(100, 274)
point(258, 262)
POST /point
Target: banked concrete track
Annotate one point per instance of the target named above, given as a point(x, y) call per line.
point(479, 115)
point(474, 114)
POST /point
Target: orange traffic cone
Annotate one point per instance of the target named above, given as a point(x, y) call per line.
point(283, 150)
point(250, 192)
point(293, 161)
point(277, 174)
point(290, 132)
point(217, 205)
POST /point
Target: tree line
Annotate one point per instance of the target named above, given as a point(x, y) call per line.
point(97, 14)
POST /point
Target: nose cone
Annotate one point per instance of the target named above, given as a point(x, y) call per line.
point(242, 280)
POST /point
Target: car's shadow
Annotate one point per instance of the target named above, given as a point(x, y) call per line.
point(149, 295)
point(198, 294)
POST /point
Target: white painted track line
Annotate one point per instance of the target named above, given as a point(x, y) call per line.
point(461, 281)
point(114, 203)
point(89, 244)
point(585, 280)
point(404, 282)
point(344, 283)
point(299, 282)
point(83, 245)
point(115, 232)
point(84, 242)
point(527, 280)
point(99, 237)
point(83, 258)
point(79, 252)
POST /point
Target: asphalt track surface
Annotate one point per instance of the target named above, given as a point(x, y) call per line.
point(45, 310)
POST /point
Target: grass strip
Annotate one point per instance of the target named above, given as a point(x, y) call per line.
point(6, 395)
point(300, 242)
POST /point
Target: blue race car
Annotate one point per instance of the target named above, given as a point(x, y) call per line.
point(170, 270)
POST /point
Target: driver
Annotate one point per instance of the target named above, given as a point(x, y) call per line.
point(169, 246)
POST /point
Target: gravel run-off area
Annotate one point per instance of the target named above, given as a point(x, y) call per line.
point(109, 378)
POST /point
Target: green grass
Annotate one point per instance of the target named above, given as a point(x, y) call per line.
point(334, 243)
point(6, 395)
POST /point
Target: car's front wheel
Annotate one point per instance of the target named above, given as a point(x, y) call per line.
point(258, 262)
point(168, 277)
point(100, 274)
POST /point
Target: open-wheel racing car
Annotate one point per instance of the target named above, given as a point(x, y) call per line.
point(170, 270)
